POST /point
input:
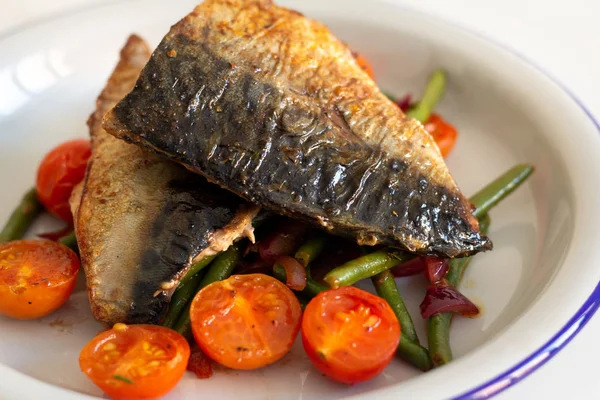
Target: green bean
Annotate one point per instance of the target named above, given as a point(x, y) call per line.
point(414, 353)
point(438, 326)
point(501, 187)
point(386, 288)
point(312, 288)
point(409, 348)
point(223, 266)
point(184, 323)
point(434, 91)
point(197, 267)
point(438, 335)
point(364, 267)
point(183, 295)
point(220, 269)
point(311, 249)
point(70, 241)
point(22, 217)
point(457, 266)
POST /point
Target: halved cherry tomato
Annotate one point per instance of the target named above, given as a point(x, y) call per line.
point(246, 321)
point(135, 361)
point(36, 277)
point(364, 64)
point(442, 132)
point(350, 335)
point(60, 170)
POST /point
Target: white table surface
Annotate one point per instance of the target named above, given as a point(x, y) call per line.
point(561, 36)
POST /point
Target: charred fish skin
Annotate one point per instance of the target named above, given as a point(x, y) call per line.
point(141, 219)
point(193, 210)
point(268, 104)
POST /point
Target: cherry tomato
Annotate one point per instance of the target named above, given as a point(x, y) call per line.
point(442, 132)
point(36, 277)
point(364, 64)
point(246, 321)
point(350, 335)
point(135, 361)
point(60, 170)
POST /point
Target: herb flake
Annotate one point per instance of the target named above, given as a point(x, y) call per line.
point(124, 379)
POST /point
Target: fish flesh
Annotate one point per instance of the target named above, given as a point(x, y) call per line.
point(140, 219)
point(271, 106)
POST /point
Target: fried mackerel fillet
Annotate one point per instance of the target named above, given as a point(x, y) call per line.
point(271, 106)
point(141, 220)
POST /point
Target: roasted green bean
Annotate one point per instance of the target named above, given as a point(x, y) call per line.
point(22, 217)
point(364, 267)
point(385, 285)
point(498, 189)
point(434, 91)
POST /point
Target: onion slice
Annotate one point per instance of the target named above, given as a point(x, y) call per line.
point(413, 266)
point(54, 236)
point(437, 268)
point(404, 102)
point(283, 241)
point(294, 271)
point(442, 297)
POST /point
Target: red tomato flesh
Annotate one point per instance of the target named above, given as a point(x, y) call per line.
point(200, 364)
point(442, 132)
point(60, 170)
point(246, 321)
point(350, 335)
point(135, 361)
point(36, 277)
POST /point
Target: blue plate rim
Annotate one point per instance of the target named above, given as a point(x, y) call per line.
point(539, 357)
point(583, 315)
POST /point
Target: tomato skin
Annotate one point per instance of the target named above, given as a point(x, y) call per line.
point(135, 361)
point(349, 335)
point(442, 132)
point(36, 277)
point(60, 170)
point(364, 64)
point(246, 321)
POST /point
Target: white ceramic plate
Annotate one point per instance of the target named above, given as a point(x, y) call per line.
point(537, 288)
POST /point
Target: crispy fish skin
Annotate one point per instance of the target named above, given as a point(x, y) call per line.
point(141, 219)
point(270, 105)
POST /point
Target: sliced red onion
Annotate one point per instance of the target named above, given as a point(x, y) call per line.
point(413, 266)
point(437, 268)
point(54, 236)
point(295, 272)
point(275, 245)
point(282, 242)
point(404, 102)
point(443, 297)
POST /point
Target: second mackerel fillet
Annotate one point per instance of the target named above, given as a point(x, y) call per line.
point(271, 106)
